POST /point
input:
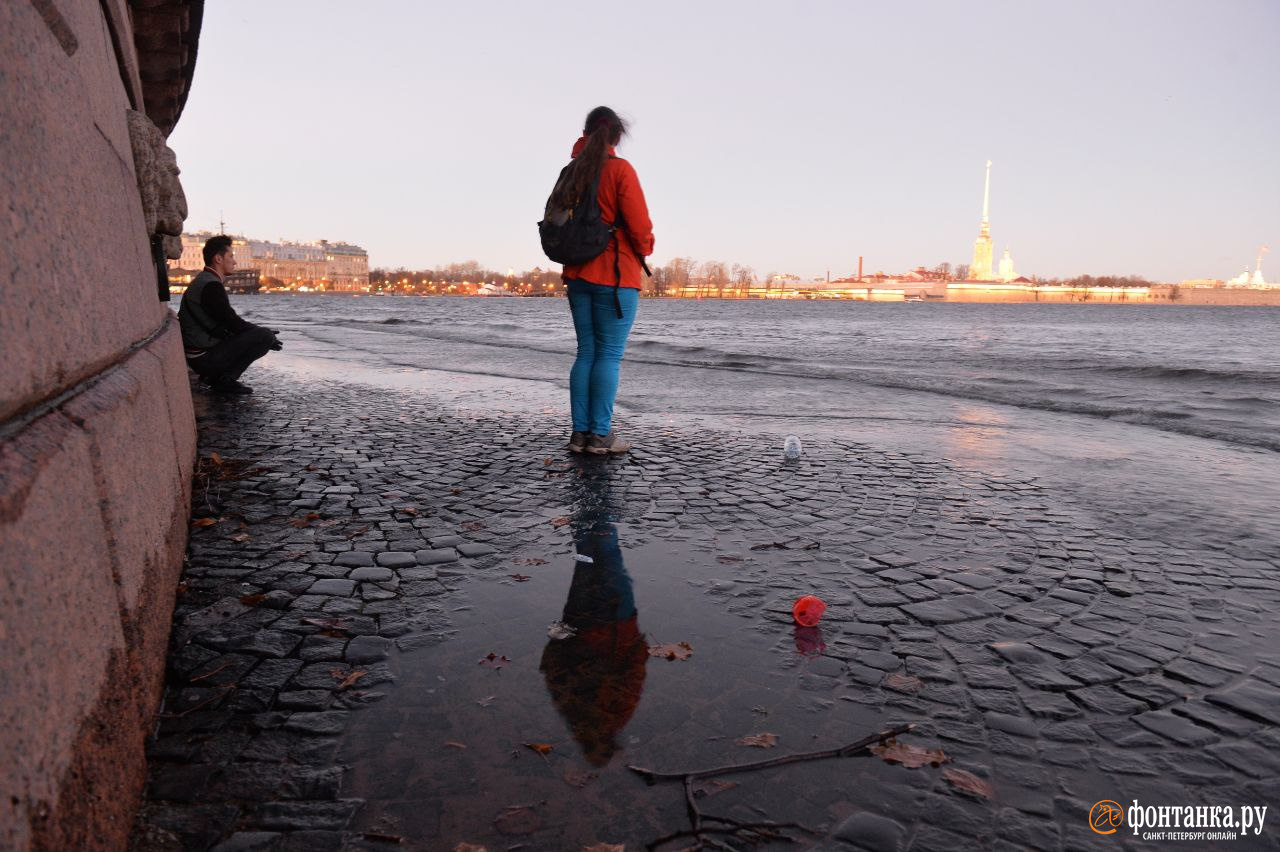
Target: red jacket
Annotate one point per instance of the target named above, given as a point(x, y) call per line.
point(619, 188)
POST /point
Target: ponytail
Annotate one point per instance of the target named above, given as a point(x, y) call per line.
point(602, 128)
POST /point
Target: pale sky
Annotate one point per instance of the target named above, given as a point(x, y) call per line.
point(1128, 136)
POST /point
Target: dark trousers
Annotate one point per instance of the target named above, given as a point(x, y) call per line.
point(230, 358)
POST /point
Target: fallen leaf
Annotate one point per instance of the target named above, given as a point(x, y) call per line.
point(605, 847)
point(547, 461)
point(541, 748)
point(904, 683)
point(472, 526)
point(494, 660)
point(559, 522)
point(574, 778)
point(968, 783)
point(529, 560)
point(353, 533)
point(710, 788)
point(295, 554)
point(252, 600)
point(345, 679)
point(242, 537)
point(759, 740)
point(299, 523)
point(455, 490)
point(204, 522)
point(518, 819)
point(216, 459)
point(382, 838)
point(455, 744)
point(680, 651)
point(912, 757)
point(520, 578)
point(408, 510)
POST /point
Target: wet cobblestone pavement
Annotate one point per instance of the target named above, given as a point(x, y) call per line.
point(364, 552)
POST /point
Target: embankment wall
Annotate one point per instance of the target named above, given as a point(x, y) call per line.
point(97, 436)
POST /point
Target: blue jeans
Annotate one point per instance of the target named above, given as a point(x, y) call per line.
point(602, 338)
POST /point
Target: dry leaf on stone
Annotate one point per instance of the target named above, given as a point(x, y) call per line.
point(204, 522)
point(299, 523)
point(472, 526)
point(574, 778)
point(520, 578)
point(968, 783)
point(408, 510)
point(216, 459)
point(903, 683)
point(493, 660)
point(252, 600)
point(559, 522)
point(528, 560)
point(518, 820)
point(678, 651)
point(455, 490)
point(912, 757)
point(455, 744)
point(345, 680)
point(710, 788)
point(759, 740)
point(540, 748)
point(605, 847)
point(242, 537)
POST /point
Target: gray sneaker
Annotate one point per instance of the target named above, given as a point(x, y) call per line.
point(578, 442)
point(603, 444)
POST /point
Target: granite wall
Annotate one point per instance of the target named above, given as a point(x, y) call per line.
point(97, 436)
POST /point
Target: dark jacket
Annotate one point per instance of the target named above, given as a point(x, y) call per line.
point(206, 316)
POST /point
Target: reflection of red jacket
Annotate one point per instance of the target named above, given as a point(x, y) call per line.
point(619, 188)
point(595, 680)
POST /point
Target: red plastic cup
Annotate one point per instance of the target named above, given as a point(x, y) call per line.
point(808, 610)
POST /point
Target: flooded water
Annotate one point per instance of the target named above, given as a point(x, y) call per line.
point(1212, 372)
point(946, 520)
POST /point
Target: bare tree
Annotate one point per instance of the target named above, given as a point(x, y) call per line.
point(744, 278)
point(716, 275)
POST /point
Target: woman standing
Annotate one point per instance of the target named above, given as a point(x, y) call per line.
point(604, 292)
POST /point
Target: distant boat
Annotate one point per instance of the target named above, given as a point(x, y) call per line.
point(913, 298)
point(492, 290)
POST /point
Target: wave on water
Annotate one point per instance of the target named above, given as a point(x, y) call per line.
point(1157, 371)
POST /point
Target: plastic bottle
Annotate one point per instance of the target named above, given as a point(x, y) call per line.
point(791, 448)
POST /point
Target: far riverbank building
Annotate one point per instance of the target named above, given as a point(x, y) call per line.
point(318, 265)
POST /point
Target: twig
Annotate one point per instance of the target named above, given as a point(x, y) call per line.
point(849, 750)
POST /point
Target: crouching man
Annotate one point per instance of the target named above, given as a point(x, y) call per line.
point(220, 345)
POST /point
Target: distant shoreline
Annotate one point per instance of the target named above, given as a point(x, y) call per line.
point(1191, 297)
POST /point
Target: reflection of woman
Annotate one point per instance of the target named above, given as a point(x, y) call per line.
point(596, 677)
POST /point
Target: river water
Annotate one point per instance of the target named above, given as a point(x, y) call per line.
point(1173, 409)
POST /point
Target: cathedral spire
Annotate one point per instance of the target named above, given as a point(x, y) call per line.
point(980, 269)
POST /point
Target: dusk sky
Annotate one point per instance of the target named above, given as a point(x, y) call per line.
point(1127, 137)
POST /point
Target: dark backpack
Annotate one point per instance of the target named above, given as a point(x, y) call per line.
point(577, 234)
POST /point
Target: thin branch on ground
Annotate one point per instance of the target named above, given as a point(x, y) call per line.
point(748, 832)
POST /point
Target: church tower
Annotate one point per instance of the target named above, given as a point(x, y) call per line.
point(980, 268)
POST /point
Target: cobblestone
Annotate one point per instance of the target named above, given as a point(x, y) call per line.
point(1060, 654)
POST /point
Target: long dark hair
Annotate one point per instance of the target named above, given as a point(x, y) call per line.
point(603, 128)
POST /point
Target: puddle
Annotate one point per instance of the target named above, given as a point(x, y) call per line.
point(457, 743)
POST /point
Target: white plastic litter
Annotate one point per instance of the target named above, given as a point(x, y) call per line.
point(582, 557)
point(560, 630)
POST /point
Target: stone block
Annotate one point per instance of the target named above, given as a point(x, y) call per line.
point(60, 626)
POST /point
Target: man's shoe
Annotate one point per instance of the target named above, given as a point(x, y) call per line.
point(231, 388)
point(577, 442)
point(607, 444)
